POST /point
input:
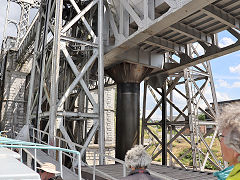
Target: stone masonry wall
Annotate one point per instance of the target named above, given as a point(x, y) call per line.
point(109, 118)
point(13, 103)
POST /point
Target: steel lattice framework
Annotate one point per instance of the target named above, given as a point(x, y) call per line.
point(23, 23)
point(62, 65)
point(67, 36)
point(191, 85)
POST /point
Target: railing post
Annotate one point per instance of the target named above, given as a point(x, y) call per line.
point(124, 170)
point(60, 161)
point(33, 135)
point(35, 159)
point(79, 167)
point(21, 154)
point(94, 165)
point(40, 137)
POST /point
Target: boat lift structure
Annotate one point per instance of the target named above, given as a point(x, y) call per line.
point(75, 46)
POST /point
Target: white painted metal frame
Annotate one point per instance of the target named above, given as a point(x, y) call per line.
point(196, 80)
point(51, 62)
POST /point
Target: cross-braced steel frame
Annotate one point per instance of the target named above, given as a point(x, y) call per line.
point(68, 48)
point(191, 84)
point(68, 38)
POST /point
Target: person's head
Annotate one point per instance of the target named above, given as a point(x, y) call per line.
point(47, 171)
point(229, 129)
point(137, 158)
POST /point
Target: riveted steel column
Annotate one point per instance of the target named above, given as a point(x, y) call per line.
point(55, 71)
point(101, 83)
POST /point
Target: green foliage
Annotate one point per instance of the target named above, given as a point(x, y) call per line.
point(159, 159)
point(187, 159)
point(201, 117)
point(209, 165)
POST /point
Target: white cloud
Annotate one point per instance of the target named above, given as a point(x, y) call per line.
point(225, 41)
point(223, 83)
point(235, 69)
point(217, 77)
point(222, 96)
point(236, 85)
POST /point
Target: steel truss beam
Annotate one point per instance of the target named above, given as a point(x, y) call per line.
point(58, 103)
point(147, 25)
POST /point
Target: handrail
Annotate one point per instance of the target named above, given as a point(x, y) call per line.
point(104, 155)
point(90, 150)
point(10, 143)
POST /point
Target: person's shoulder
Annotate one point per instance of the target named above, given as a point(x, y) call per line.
point(156, 178)
point(234, 177)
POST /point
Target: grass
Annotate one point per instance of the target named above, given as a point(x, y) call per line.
point(180, 146)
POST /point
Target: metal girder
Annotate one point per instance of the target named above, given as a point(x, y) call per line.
point(191, 32)
point(33, 3)
point(165, 44)
point(171, 17)
point(211, 53)
point(27, 40)
point(222, 16)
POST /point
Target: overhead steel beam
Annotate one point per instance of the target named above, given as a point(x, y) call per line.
point(165, 44)
point(222, 16)
point(191, 32)
point(212, 52)
point(171, 17)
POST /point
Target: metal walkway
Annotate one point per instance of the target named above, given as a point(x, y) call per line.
point(166, 172)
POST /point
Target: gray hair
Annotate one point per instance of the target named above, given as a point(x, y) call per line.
point(230, 120)
point(137, 157)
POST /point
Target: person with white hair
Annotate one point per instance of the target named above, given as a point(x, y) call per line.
point(229, 137)
point(138, 160)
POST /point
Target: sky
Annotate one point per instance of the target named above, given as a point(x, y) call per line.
point(225, 69)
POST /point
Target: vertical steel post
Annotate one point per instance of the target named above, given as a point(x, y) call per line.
point(171, 128)
point(164, 125)
point(79, 167)
point(101, 83)
point(55, 71)
point(42, 64)
point(94, 166)
point(35, 159)
point(60, 162)
point(32, 77)
point(144, 112)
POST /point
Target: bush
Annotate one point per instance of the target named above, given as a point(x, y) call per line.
point(187, 159)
